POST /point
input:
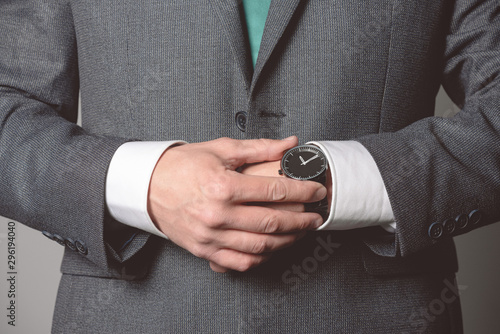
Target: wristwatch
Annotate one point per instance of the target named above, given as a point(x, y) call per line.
point(307, 162)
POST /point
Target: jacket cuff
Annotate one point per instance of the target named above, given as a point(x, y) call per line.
point(359, 198)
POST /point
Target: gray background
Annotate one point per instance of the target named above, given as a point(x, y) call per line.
point(38, 261)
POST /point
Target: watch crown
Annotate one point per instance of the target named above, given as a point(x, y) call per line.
point(280, 172)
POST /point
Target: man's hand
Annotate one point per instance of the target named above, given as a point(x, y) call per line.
point(201, 203)
point(271, 168)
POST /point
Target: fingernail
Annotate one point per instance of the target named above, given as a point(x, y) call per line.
point(320, 193)
point(318, 222)
point(290, 138)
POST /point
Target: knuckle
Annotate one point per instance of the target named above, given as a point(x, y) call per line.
point(224, 140)
point(199, 251)
point(247, 263)
point(259, 247)
point(219, 189)
point(261, 143)
point(225, 191)
point(303, 223)
point(271, 224)
point(278, 191)
point(226, 144)
point(212, 219)
point(201, 237)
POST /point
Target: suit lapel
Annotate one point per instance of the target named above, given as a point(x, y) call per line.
point(232, 17)
point(280, 13)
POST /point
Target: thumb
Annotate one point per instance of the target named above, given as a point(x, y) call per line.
point(260, 150)
point(218, 269)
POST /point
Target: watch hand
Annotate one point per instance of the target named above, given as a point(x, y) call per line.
point(306, 162)
point(302, 159)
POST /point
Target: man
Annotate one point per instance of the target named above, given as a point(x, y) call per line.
point(162, 81)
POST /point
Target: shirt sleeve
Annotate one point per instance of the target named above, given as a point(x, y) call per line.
point(127, 183)
point(359, 198)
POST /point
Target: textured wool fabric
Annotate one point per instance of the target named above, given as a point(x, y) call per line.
point(339, 296)
point(327, 70)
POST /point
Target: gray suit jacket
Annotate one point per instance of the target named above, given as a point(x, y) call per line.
point(327, 70)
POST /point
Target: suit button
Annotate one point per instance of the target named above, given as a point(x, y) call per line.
point(241, 120)
point(57, 238)
point(475, 217)
point(435, 230)
point(80, 246)
point(449, 226)
point(462, 221)
point(71, 244)
point(48, 235)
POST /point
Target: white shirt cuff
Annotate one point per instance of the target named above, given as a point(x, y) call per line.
point(127, 183)
point(359, 197)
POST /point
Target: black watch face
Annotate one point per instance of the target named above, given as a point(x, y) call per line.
point(304, 162)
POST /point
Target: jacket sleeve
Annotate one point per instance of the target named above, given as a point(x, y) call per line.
point(443, 174)
point(52, 172)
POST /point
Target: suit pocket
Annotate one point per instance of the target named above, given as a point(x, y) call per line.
point(442, 257)
point(135, 269)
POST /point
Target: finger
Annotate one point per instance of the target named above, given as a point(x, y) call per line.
point(240, 152)
point(269, 168)
point(247, 188)
point(287, 206)
point(218, 269)
point(256, 243)
point(234, 260)
point(265, 220)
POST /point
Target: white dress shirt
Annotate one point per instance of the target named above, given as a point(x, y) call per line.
point(359, 198)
